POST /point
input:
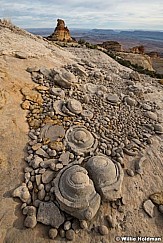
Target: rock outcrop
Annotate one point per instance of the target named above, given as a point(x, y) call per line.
point(61, 32)
point(138, 59)
point(111, 46)
point(137, 49)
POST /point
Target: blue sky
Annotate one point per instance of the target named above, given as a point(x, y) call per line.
point(111, 14)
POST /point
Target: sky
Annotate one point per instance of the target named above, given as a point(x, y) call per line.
point(104, 14)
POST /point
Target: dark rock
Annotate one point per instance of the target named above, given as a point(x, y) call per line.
point(49, 214)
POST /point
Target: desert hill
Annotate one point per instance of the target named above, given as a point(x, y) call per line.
point(61, 111)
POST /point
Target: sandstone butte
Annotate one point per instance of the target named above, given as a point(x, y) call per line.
point(32, 71)
point(61, 32)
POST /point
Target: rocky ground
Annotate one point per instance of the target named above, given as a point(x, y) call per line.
point(84, 136)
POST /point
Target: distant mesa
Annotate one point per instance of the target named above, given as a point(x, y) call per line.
point(61, 33)
point(111, 46)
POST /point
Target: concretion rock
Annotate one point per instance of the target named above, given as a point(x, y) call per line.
point(106, 175)
point(129, 101)
point(65, 79)
point(58, 92)
point(160, 208)
point(70, 234)
point(49, 214)
point(58, 146)
point(42, 153)
point(74, 106)
point(149, 207)
point(47, 176)
point(151, 115)
point(158, 128)
point(103, 230)
point(112, 98)
point(23, 193)
point(29, 210)
point(87, 114)
point(157, 198)
point(58, 105)
point(53, 233)
point(71, 107)
point(75, 192)
point(94, 89)
point(65, 158)
point(52, 132)
point(80, 139)
point(30, 221)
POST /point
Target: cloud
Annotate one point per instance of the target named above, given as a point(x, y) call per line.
point(140, 14)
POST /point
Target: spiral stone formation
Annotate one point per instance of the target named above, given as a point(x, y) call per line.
point(75, 192)
point(106, 175)
point(80, 139)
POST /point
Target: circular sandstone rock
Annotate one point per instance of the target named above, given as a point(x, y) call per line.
point(75, 192)
point(74, 106)
point(53, 233)
point(106, 175)
point(103, 230)
point(80, 139)
point(70, 234)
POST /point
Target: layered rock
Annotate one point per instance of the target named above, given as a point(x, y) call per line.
point(137, 49)
point(61, 32)
point(138, 59)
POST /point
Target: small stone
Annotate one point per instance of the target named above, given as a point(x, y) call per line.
point(130, 172)
point(157, 198)
point(23, 205)
point(64, 158)
point(52, 153)
point(158, 129)
point(38, 180)
point(30, 221)
point(67, 225)
point(25, 105)
point(58, 146)
point(151, 115)
point(103, 230)
point(29, 210)
point(49, 214)
point(23, 193)
point(42, 153)
point(83, 224)
point(59, 166)
point(70, 234)
point(62, 233)
point(53, 233)
point(36, 162)
point(36, 146)
point(47, 176)
point(41, 194)
point(148, 207)
point(161, 208)
point(36, 203)
point(111, 221)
